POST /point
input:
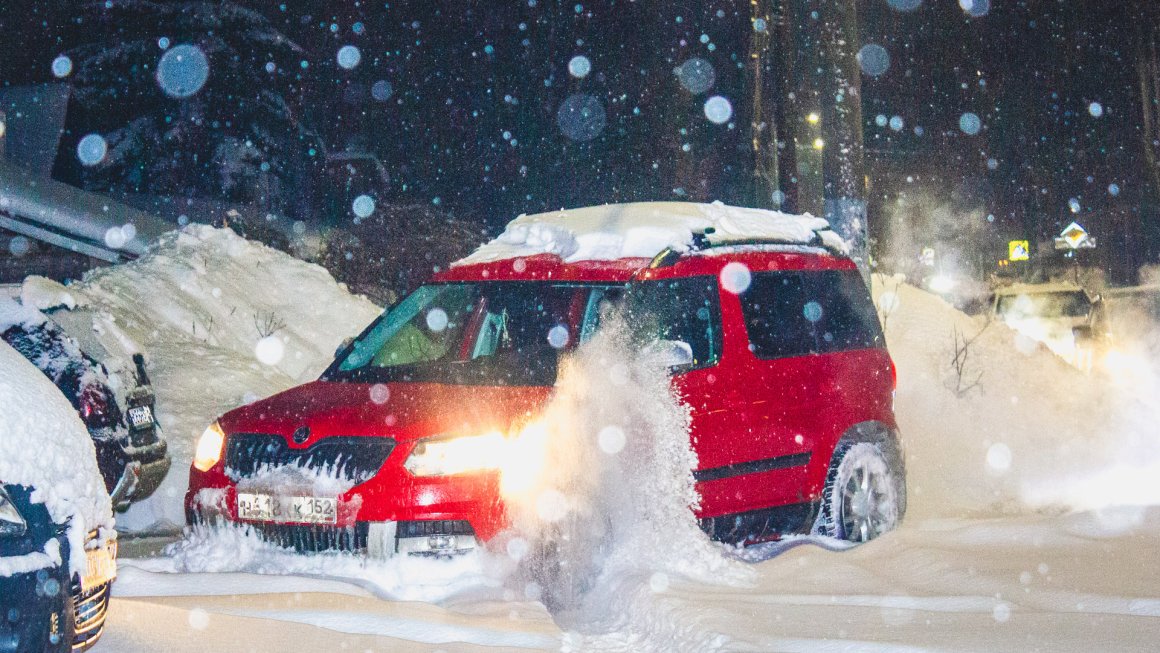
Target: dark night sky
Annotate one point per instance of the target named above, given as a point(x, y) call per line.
point(464, 75)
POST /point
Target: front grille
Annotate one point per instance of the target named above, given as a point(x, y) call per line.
point(312, 539)
point(89, 610)
point(434, 527)
point(349, 457)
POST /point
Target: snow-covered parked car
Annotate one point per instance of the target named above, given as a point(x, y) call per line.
point(57, 543)
point(131, 453)
point(769, 330)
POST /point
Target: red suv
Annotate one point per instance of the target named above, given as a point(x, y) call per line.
point(776, 346)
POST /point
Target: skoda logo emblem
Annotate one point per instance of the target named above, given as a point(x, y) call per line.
point(301, 434)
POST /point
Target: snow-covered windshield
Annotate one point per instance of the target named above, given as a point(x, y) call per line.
point(498, 333)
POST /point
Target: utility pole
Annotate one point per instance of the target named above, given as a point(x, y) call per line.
point(802, 46)
point(843, 168)
point(765, 98)
point(828, 96)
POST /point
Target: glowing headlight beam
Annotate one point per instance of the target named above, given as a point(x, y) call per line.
point(442, 456)
point(518, 458)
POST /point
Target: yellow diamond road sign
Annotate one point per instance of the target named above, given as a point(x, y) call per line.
point(1074, 235)
point(1018, 250)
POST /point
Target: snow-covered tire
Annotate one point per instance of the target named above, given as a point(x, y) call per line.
point(865, 491)
point(566, 564)
point(561, 583)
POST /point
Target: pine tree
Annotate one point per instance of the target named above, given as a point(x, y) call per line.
point(237, 136)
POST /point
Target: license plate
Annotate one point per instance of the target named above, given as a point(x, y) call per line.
point(140, 416)
point(305, 510)
point(101, 568)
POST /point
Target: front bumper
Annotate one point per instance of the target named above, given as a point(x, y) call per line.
point(392, 513)
point(384, 539)
point(40, 609)
point(138, 481)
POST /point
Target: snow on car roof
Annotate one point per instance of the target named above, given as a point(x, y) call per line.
point(644, 229)
point(13, 312)
point(44, 445)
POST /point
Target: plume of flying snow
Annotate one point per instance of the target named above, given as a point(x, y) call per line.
point(616, 485)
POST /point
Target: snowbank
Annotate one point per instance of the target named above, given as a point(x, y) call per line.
point(613, 231)
point(1018, 429)
point(221, 320)
point(44, 445)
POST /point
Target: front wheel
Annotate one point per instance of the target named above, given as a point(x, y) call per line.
point(865, 491)
point(566, 563)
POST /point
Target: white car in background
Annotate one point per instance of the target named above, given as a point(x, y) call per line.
point(1061, 315)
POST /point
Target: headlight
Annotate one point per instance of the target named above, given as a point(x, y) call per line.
point(520, 458)
point(11, 523)
point(444, 456)
point(209, 448)
point(942, 283)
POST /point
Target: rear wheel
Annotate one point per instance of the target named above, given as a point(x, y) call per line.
point(865, 491)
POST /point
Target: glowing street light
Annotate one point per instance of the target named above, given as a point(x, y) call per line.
point(819, 144)
point(813, 118)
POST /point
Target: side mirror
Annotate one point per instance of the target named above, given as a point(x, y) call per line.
point(343, 346)
point(670, 353)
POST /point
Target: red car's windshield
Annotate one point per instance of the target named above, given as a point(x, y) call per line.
point(497, 333)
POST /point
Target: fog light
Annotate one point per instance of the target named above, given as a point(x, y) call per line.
point(441, 542)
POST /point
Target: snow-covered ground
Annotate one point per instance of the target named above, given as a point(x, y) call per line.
point(1078, 583)
point(1031, 523)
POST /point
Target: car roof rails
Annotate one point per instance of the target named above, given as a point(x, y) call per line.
point(701, 242)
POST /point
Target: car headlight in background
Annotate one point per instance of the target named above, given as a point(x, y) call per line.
point(942, 283)
point(209, 447)
point(1128, 367)
point(11, 523)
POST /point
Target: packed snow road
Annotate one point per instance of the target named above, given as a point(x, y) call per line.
point(1072, 583)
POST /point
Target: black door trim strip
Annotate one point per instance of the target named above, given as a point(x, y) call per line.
point(752, 467)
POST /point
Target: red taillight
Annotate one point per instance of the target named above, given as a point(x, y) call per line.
point(893, 376)
point(95, 405)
